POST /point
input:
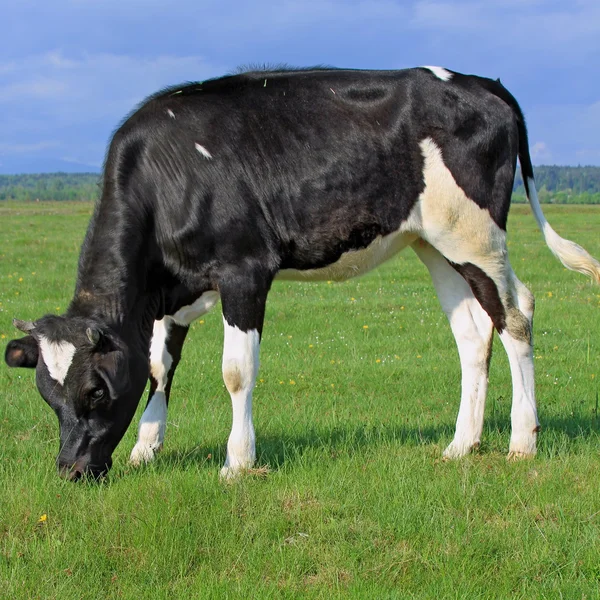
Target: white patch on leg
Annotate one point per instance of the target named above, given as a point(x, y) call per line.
point(151, 430)
point(440, 72)
point(240, 366)
point(185, 315)
point(465, 233)
point(160, 359)
point(523, 414)
point(57, 357)
point(472, 329)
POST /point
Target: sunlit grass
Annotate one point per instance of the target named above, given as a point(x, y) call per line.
point(357, 397)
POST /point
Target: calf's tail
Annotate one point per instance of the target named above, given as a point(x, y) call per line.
point(570, 254)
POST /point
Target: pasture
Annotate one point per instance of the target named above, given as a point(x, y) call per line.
point(357, 397)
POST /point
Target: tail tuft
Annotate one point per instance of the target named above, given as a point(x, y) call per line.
point(570, 254)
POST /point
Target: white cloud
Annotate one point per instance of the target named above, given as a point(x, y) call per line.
point(81, 98)
point(540, 153)
point(570, 133)
point(39, 87)
point(27, 148)
point(91, 86)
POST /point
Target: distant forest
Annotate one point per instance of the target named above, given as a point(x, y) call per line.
point(556, 185)
point(562, 185)
point(50, 186)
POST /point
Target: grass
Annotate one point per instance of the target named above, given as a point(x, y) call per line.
point(358, 394)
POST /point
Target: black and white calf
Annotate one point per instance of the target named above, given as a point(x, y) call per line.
point(213, 190)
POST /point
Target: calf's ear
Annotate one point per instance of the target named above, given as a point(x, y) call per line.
point(22, 353)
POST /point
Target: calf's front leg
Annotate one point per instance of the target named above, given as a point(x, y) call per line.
point(243, 297)
point(165, 353)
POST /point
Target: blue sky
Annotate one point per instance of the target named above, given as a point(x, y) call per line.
point(70, 70)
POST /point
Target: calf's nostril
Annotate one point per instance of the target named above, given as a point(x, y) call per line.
point(75, 474)
point(70, 472)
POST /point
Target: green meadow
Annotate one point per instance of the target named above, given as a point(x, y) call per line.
point(357, 398)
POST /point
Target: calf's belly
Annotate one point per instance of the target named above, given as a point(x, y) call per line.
point(355, 262)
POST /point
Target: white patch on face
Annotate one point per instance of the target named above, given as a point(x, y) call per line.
point(171, 113)
point(440, 72)
point(203, 151)
point(240, 367)
point(185, 315)
point(57, 357)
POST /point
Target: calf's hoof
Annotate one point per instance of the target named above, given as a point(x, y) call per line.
point(143, 454)
point(459, 449)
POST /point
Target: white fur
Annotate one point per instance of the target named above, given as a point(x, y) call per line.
point(465, 233)
point(160, 359)
point(570, 254)
point(456, 226)
point(57, 357)
point(472, 329)
point(355, 262)
point(171, 113)
point(240, 366)
point(203, 151)
point(440, 72)
point(151, 430)
point(187, 314)
point(523, 413)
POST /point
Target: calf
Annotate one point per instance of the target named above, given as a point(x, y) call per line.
point(213, 190)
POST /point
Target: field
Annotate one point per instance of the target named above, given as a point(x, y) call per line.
point(358, 393)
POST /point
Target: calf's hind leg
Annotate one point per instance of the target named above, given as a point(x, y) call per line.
point(510, 307)
point(473, 332)
point(475, 244)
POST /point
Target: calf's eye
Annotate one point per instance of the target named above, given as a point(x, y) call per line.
point(97, 395)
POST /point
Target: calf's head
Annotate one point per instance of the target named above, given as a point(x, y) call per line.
point(92, 381)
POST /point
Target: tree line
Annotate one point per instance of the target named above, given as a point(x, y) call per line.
point(562, 185)
point(558, 185)
point(50, 186)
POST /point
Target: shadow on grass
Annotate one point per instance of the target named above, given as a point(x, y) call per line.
point(277, 450)
point(572, 426)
